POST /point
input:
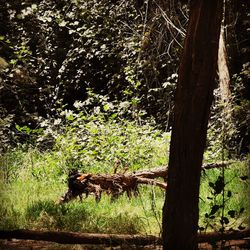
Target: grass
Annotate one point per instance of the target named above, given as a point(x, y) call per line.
point(32, 204)
point(236, 198)
point(32, 181)
point(29, 200)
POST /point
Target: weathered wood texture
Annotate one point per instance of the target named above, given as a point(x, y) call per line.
point(119, 183)
point(80, 238)
point(162, 171)
point(193, 99)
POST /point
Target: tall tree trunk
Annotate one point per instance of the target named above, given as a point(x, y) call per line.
point(192, 106)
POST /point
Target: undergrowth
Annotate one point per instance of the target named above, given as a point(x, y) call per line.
point(33, 204)
point(33, 177)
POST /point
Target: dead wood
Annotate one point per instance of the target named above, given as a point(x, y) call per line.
point(217, 165)
point(162, 171)
point(80, 238)
point(112, 239)
point(151, 182)
point(152, 173)
point(227, 235)
point(118, 183)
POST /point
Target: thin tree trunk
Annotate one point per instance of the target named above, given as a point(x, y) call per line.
point(223, 72)
point(224, 79)
point(192, 106)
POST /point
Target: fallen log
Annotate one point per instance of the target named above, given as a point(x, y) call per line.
point(227, 235)
point(118, 183)
point(159, 172)
point(80, 238)
point(112, 239)
point(162, 171)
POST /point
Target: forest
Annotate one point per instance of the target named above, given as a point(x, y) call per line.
point(124, 124)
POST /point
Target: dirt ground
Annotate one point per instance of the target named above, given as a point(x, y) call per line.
point(44, 245)
point(35, 245)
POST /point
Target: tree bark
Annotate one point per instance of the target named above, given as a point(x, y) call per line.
point(224, 79)
point(163, 171)
point(223, 71)
point(192, 106)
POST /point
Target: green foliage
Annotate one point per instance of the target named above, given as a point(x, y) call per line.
point(30, 200)
point(224, 198)
point(93, 140)
point(10, 163)
point(31, 203)
point(33, 177)
point(55, 51)
point(241, 108)
point(95, 143)
point(81, 81)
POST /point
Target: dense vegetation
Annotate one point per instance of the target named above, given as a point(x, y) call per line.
point(33, 181)
point(84, 83)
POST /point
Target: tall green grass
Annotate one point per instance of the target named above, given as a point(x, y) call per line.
point(236, 197)
point(33, 180)
point(36, 180)
point(33, 204)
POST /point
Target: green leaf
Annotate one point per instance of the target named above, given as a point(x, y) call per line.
point(211, 184)
point(231, 213)
point(224, 220)
point(106, 107)
point(219, 185)
point(113, 116)
point(18, 127)
point(70, 117)
point(214, 209)
point(13, 61)
point(242, 210)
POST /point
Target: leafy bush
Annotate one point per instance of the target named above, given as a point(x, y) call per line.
point(93, 140)
point(53, 51)
point(96, 144)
